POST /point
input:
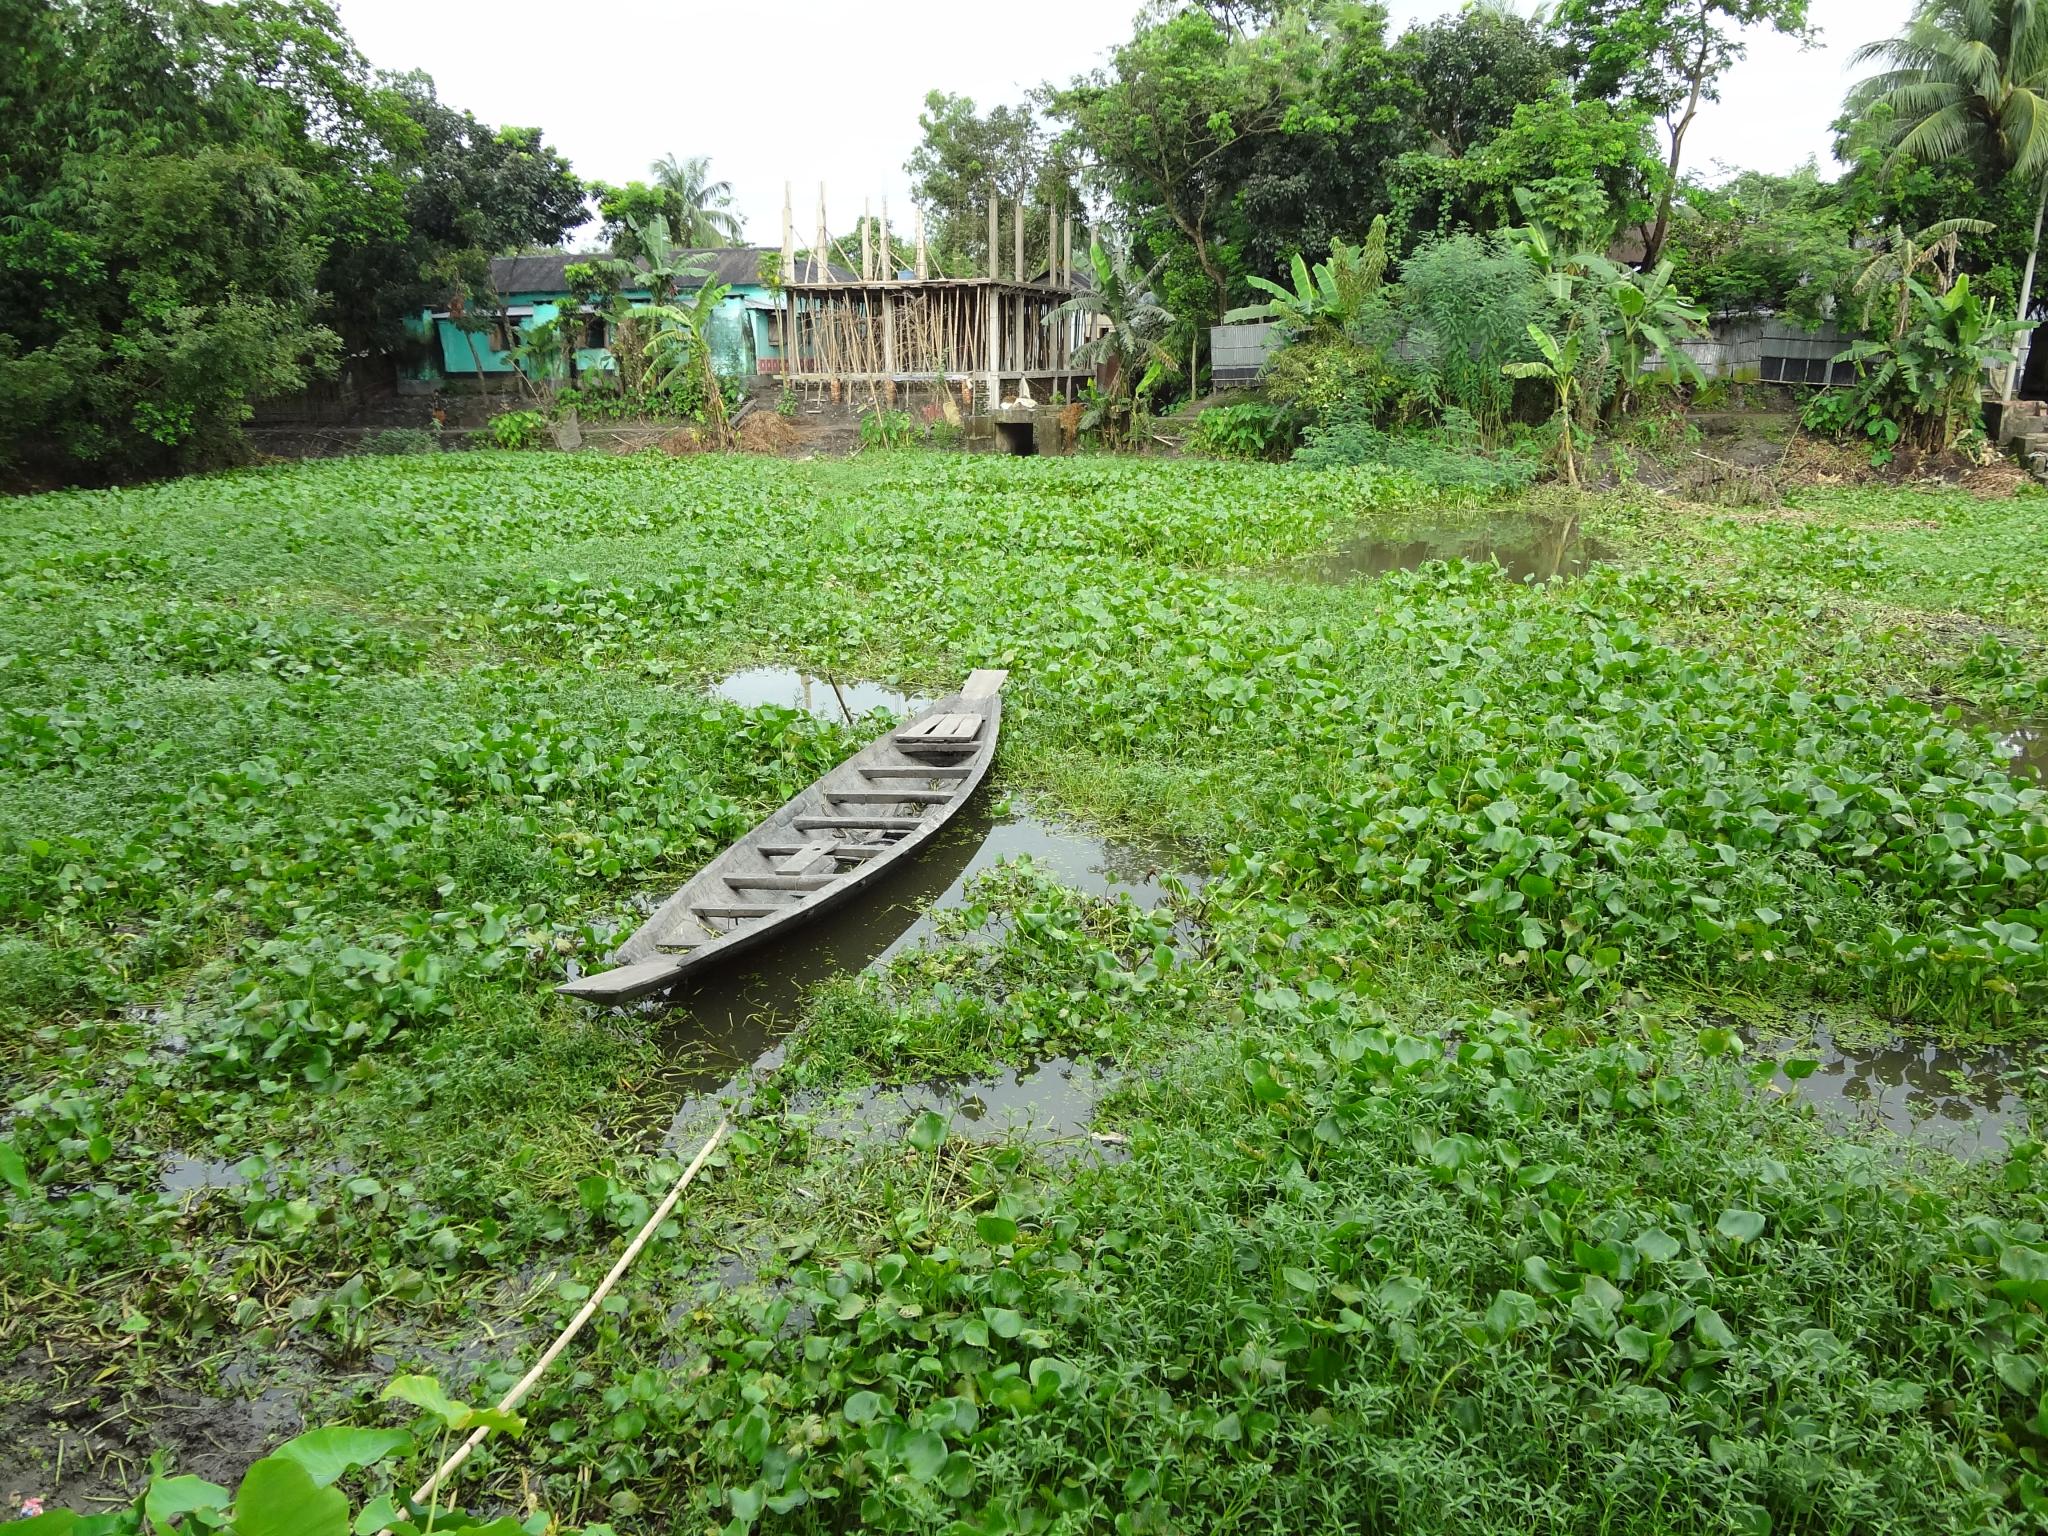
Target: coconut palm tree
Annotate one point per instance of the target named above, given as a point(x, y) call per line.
point(1969, 78)
point(702, 208)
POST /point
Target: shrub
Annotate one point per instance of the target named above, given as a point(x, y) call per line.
point(1253, 430)
point(887, 429)
point(519, 429)
point(1449, 458)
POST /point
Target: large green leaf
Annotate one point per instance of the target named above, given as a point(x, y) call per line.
point(169, 1498)
point(278, 1497)
point(327, 1453)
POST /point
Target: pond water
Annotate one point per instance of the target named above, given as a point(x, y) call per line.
point(736, 1014)
point(1960, 1101)
point(827, 698)
point(1526, 549)
point(1051, 1103)
point(183, 1172)
point(2025, 745)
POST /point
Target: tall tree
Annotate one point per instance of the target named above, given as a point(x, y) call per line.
point(1667, 57)
point(964, 157)
point(1473, 69)
point(1324, 177)
point(1968, 79)
point(1178, 107)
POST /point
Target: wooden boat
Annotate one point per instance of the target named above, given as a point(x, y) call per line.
point(817, 852)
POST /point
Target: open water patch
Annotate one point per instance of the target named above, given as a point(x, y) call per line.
point(1050, 1104)
point(1960, 1101)
point(1525, 548)
point(827, 698)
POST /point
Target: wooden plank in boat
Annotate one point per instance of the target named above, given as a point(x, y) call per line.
point(809, 858)
point(886, 823)
point(738, 909)
point(984, 683)
point(625, 982)
point(839, 850)
point(919, 771)
point(891, 796)
point(949, 727)
point(779, 882)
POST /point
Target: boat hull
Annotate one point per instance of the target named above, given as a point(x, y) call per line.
point(890, 798)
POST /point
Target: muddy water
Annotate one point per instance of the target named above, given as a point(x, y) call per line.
point(1959, 1101)
point(791, 689)
point(1052, 1103)
point(1526, 549)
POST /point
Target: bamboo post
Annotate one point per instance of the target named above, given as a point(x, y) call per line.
point(788, 238)
point(994, 264)
point(1067, 263)
point(888, 252)
point(994, 320)
point(431, 1488)
point(917, 219)
point(1017, 274)
point(867, 242)
point(818, 245)
point(889, 345)
point(1052, 246)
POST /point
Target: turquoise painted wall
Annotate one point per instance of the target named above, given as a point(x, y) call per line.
point(738, 336)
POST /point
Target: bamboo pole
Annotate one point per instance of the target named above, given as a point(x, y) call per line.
point(867, 241)
point(888, 253)
point(430, 1489)
point(994, 259)
point(917, 218)
point(818, 245)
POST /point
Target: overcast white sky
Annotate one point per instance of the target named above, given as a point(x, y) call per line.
point(817, 90)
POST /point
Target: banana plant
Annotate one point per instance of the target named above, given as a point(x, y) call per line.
point(1333, 293)
point(1653, 316)
point(1558, 367)
point(1133, 324)
point(681, 350)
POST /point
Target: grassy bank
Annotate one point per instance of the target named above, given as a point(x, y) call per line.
point(1438, 1194)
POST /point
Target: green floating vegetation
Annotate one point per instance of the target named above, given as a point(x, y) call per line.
point(319, 779)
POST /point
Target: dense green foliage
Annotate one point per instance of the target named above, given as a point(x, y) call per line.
point(1442, 1206)
point(208, 204)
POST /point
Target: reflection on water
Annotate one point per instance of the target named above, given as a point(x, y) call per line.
point(2026, 745)
point(183, 1172)
point(1526, 548)
point(1959, 1101)
point(825, 697)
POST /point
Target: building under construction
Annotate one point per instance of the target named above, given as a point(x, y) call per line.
point(892, 334)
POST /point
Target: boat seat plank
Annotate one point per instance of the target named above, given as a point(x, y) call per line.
point(949, 727)
point(984, 683)
point(931, 745)
point(779, 882)
point(737, 909)
point(891, 796)
point(887, 823)
point(839, 850)
point(808, 859)
point(915, 771)
point(624, 982)
point(688, 933)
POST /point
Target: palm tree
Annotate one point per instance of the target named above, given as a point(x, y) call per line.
point(1969, 78)
point(702, 208)
point(1123, 296)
